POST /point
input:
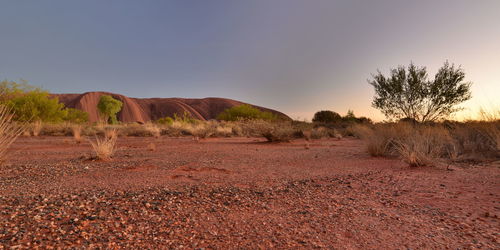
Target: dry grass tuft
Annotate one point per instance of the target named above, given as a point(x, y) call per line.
point(202, 130)
point(104, 148)
point(77, 133)
point(153, 129)
point(424, 145)
point(378, 139)
point(9, 131)
point(37, 128)
point(110, 133)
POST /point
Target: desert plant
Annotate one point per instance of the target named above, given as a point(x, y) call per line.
point(424, 146)
point(108, 107)
point(272, 131)
point(378, 140)
point(351, 118)
point(477, 140)
point(318, 133)
point(408, 93)
point(153, 129)
point(326, 116)
point(110, 133)
point(104, 148)
point(186, 117)
point(223, 131)
point(77, 132)
point(37, 105)
point(203, 130)
point(245, 112)
point(76, 116)
point(37, 128)
point(165, 121)
point(9, 131)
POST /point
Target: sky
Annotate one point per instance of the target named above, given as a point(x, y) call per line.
point(295, 56)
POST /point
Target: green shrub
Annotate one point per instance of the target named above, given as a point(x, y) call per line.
point(326, 116)
point(165, 121)
point(351, 118)
point(37, 106)
point(32, 104)
point(245, 112)
point(76, 116)
point(185, 118)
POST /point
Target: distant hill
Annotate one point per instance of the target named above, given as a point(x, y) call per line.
point(146, 109)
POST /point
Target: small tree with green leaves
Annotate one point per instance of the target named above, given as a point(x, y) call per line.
point(108, 108)
point(326, 116)
point(407, 93)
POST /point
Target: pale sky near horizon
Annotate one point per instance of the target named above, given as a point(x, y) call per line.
point(296, 56)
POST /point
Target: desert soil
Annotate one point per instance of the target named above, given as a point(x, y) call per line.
point(241, 193)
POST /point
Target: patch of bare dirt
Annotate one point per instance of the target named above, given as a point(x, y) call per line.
point(238, 193)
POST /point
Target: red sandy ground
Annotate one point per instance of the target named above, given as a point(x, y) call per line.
point(241, 193)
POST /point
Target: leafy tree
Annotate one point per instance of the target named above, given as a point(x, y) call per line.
point(11, 89)
point(30, 104)
point(326, 116)
point(245, 112)
point(407, 93)
point(109, 107)
point(37, 106)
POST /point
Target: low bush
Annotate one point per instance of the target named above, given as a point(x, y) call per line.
point(479, 140)
point(272, 131)
point(326, 116)
point(165, 121)
point(104, 148)
point(428, 144)
point(246, 112)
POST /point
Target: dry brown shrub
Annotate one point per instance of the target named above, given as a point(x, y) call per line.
point(319, 132)
point(236, 128)
point(424, 145)
point(153, 129)
point(273, 132)
point(417, 145)
point(223, 131)
point(203, 130)
point(56, 129)
point(477, 140)
point(77, 132)
point(104, 148)
point(9, 131)
point(134, 130)
point(378, 138)
point(111, 133)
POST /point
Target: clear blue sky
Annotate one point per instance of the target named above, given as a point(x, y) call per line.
point(294, 56)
